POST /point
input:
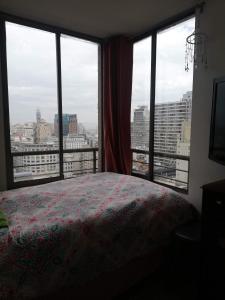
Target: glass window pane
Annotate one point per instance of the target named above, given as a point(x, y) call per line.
point(173, 104)
point(140, 105)
point(80, 103)
point(32, 81)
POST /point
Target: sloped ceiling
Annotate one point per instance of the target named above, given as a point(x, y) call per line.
point(100, 18)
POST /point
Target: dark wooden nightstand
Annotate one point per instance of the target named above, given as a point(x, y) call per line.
point(213, 241)
point(186, 246)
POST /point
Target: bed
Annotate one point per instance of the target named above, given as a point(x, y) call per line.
point(69, 233)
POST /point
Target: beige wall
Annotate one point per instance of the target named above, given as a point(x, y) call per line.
point(203, 170)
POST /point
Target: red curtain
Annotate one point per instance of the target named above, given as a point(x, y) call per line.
point(117, 85)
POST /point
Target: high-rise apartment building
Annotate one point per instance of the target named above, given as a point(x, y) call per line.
point(140, 128)
point(169, 118)
point(73, 126)
point(70, 125)
point(168, 130)
point(43, 131)
point(183, 148)
point(171, 135)
point(38, 115)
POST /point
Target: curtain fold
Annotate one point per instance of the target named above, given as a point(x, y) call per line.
point(117, 86)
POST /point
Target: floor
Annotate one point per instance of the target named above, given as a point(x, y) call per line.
point(177, 280)
point(162, 287)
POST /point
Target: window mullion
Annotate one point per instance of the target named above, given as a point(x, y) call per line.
point(59, 90)
point(5, 96)
point(152, 106)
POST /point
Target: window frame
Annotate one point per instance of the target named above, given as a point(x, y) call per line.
point(153, 34)
point(58, 32)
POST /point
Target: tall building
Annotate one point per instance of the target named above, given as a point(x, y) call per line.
point(140, 138)
point(183, 148)
point(38, 115)
point(140, 128)
point(43, 131)
point(171, 121)
point(70, 125)
point(169, 118)
point(73, 126)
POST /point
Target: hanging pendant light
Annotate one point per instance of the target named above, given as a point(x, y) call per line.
point(196, 50)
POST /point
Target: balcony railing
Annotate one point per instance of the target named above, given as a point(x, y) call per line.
point(39, 165)
point(169, 169)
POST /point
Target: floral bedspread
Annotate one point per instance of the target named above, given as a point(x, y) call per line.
point(67, 232)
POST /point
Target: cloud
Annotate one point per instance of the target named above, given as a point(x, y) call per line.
point(31, 58)
point(171, 79)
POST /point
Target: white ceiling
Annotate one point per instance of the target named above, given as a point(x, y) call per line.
point(101, 18)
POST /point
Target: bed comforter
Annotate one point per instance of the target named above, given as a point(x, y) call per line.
point(68, 232)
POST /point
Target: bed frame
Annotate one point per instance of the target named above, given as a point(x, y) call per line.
point(111, 284)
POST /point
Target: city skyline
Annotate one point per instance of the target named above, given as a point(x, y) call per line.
point(38, 114)
point(42, 131)
point(174, 139)
point(34, 120)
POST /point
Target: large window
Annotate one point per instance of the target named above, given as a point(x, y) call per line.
point(52, 104)
point(140, 105)
point(32, 81)
point(80, 104)
point(171, 101)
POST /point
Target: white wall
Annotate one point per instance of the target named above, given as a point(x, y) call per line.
point(203, 170)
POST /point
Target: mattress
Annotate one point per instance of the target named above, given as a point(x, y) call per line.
point(68, 232)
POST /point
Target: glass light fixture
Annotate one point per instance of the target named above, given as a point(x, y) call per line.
point(196, 48)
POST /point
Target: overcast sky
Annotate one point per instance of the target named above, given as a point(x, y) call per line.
point(32, 81)
point(32, 75)
point(172, 81)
